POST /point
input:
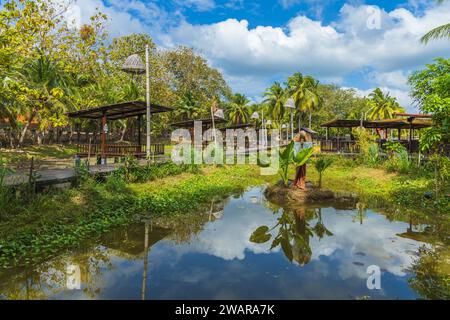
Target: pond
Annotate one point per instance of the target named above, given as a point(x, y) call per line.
point(242, 247)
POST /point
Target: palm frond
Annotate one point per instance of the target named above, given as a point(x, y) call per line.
point(440, 32)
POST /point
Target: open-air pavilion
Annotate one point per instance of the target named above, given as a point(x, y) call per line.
point(386, 128)
point(113, 112)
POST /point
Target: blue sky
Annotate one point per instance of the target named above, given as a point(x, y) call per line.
point(354, 43)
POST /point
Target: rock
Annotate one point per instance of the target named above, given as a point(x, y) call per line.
point(281, 195)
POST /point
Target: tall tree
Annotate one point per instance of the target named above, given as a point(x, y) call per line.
point(304, 91)
point(47, 85)
point(275, 98)
point(383, 105)
point(238, 109)
point(431, 91)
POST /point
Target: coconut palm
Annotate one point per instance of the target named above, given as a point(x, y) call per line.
point(188, 107)
point(275, 98)
point(440, 32)
point(238, 109)
point(304, 91)
point(382, 106)
point(47, 84)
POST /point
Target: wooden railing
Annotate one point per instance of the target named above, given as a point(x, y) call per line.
point(340, 146)
point(113, 150)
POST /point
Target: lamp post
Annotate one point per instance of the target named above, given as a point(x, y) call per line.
point(134, 65)
point(290, 104)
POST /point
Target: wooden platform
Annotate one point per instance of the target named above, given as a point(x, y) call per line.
point(48, 177)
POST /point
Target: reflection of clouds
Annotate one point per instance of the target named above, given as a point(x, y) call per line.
point(376, 238)
point(221, 263)
point(228, 238)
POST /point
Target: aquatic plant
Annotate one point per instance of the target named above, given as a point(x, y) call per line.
point(322, 164)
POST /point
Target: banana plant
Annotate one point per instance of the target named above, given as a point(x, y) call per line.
point(288, 157)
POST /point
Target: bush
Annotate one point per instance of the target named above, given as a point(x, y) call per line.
point(398, 158)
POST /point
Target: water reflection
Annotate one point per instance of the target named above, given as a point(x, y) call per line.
point(244, 247)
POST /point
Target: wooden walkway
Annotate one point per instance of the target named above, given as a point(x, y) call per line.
point(48, 177)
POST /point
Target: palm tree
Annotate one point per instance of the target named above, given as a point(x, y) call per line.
point(238, 109)
point(440, 32)
point(48, 86)
point(382, 106)
point(304, 91)
point(187, 106)
point(275, 98)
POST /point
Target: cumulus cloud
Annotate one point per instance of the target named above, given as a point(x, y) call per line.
point(333, 51)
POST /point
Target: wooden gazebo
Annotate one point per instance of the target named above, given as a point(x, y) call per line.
point(404, 121)
point(112, 112)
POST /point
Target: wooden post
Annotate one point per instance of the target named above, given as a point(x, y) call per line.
point(399, 131)
point(139, 132)
point(78, 133)
point(410, 137)
point(104, 137)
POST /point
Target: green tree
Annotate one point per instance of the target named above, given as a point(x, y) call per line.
point(238, 109)
point(382, 106)
point(275, 98)
point(304, 91)
point(47, 85)
point(187, 107)
point(430, 88)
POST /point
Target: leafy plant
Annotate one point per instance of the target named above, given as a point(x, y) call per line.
point(288, 157)
point(322, 164)
point(373, 154)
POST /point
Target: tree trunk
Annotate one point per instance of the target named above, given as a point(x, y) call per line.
point(310, 119)
point(122, 134)
point(27, 125)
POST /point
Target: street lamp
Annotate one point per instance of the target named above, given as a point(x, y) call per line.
point(290, 104)
point(134, 65)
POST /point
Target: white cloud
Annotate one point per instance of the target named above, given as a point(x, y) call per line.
point(327, 51)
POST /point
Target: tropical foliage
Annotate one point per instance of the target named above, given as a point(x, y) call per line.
point(49, 67)
point(441, 32)
point(431, 91)
point(383, 105)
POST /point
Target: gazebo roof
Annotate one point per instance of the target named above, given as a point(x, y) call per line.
point(411, 122)
point(119, 111)
point(190, 123)
point(238, 126)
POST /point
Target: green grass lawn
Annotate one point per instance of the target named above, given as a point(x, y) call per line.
point(22, 156)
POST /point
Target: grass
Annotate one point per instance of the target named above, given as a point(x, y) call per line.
point(21, 157)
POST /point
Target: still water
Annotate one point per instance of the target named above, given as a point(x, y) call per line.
point(240, 248)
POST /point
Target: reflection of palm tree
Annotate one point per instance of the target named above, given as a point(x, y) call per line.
point(320, 228)
point(293, 236)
